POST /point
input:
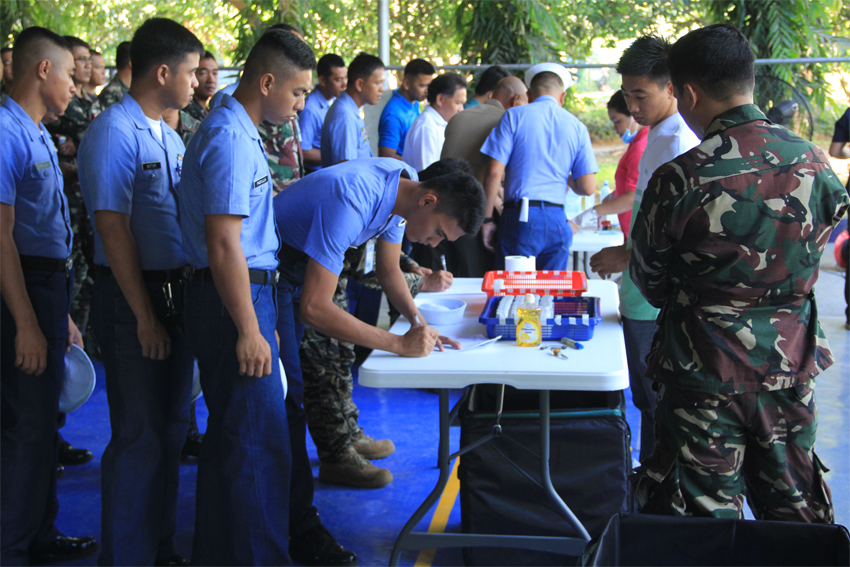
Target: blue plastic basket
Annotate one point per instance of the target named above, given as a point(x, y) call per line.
point(578, 317)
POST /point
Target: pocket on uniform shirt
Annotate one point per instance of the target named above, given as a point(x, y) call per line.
point(149, 181)
point(39, 171)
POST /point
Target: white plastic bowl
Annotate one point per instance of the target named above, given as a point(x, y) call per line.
point(442, 311)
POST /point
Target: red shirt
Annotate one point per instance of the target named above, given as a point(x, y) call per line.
point(626, 176)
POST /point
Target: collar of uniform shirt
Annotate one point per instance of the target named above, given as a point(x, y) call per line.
point(734, 117)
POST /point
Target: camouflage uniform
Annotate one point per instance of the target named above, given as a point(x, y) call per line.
point(196, 110)
point(326, 367)
point(73, 124)
point(283, 150)
point(727, 243)
point(186, 126)
point(113, 92)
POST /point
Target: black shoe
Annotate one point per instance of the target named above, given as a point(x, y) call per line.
point(192, 446)
point(60, 471)
point(69, 456)
point(318, 548)
point(174, 560)
point(63, 549)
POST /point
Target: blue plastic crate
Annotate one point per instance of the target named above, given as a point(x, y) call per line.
point(578, 317)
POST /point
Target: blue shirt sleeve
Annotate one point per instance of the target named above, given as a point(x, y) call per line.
point(107, 167)
point(226, 186)
point(12, 163)
point(390, 132)
point(585, 160)
point(500, 142)
point(311, 124)
point(344, 140)
point(393, 235)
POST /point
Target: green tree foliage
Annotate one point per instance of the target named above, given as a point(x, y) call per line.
point(790, 29)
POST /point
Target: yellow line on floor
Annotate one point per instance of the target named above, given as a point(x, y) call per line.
point(441, 516)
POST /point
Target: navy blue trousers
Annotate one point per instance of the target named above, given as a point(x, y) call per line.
point(242, 510)
point(302, 514)
point(30, 405)
point(547, 235)
point(149, 417)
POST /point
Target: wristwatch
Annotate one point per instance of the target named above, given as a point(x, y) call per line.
point(487, 219)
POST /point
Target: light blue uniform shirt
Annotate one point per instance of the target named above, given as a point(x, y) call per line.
point(326, 212)
point(471, 103)
point(226, 173)
point(344, 136)
point(124, 168)
point(540, 144)
point(311, 119)
point(396, 119)
point(31, 182)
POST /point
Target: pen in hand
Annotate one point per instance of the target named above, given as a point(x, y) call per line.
point(443, 259)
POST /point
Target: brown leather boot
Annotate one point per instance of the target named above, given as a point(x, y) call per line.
point(354, 470)
point(373, 449)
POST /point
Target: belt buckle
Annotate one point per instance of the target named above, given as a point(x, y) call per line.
point(69, 263)
point(276, 276)
point(188, 272)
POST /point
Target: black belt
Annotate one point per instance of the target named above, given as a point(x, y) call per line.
point(260, 277)
point(150, 275)
point(42, 264)
point(511, 204)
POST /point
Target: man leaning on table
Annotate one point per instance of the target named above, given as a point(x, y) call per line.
point(727, 242)
point(537, 148)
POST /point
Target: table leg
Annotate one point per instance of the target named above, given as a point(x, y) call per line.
point(545, 476)
point(445, 470)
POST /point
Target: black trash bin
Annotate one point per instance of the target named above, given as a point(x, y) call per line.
point(639, 539)
point(500, 490)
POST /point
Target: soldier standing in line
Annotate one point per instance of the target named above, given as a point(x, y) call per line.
point(71, 126)
point(114, 90)
point(727, 243)
point(207, 75)
point(35, 239)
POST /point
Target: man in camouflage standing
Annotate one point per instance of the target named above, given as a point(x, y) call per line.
point(114, 90)
point(727, 243)
point(207, 75)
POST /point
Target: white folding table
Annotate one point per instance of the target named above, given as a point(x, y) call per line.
point(600, 366)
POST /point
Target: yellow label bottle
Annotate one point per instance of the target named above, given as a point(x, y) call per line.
point(528, 331)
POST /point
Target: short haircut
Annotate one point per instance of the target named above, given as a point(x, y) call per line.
point(327, 63)
point(489, 79)
point(646, 57)
point(208, 55)
point(444, 166)
point(718, 59)
point(5, 50)
point(122, 55)
point(280, 53)
point(76, 42)
point(285, 27)
point(547, 81)
point(460, 197)
point(94, 52)
point(617, 103)
point(160, 41)
point(446, 85)
point(362, 67)
point(32, 45)
point(418, 67)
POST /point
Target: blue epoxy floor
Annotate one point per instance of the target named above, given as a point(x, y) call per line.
point(367, 521)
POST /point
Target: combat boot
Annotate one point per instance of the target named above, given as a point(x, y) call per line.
point(373, 449)
point(354, 470)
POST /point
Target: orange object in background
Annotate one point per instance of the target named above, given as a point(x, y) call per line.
point(839, 246)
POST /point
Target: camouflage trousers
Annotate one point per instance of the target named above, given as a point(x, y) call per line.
point(713, 450)
point(326, 363)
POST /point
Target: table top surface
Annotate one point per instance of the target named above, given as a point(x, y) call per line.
point(600, 366)
point(595, 240)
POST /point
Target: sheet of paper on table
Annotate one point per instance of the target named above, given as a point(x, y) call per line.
point(467, 343)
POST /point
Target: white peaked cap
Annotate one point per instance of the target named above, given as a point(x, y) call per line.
point(559, 70)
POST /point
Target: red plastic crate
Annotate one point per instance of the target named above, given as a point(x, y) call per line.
point(542, 282)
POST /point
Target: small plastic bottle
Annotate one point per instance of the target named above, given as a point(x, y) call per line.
point(528, 330)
